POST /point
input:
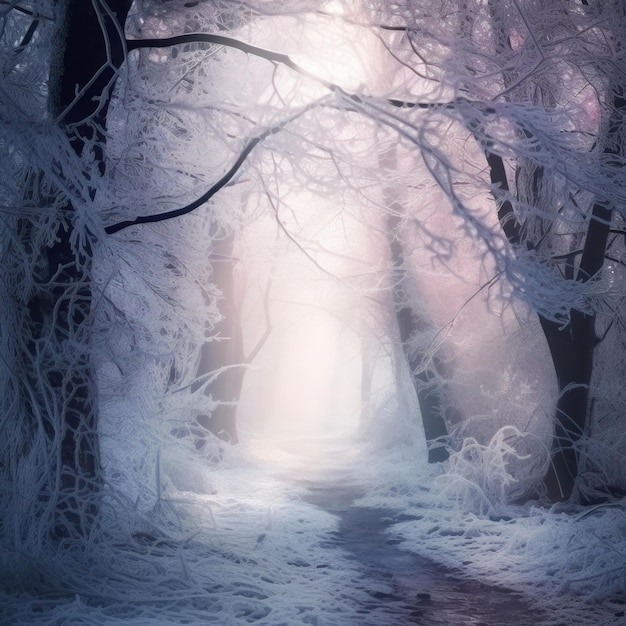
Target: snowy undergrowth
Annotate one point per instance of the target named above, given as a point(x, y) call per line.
point(249, 552)
point(568, 561)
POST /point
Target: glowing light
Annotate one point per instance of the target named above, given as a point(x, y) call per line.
point(306, 383)
point(334, 8)
point(336, 50)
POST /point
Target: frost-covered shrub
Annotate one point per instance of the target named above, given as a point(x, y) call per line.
point(484, 478)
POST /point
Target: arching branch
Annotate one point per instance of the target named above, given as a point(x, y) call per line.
point(215, 188)
point(274, 57)
point(229, 42)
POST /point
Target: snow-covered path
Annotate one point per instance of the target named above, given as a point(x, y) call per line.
point(401, 588)
point(310, 533)
point(417, 591)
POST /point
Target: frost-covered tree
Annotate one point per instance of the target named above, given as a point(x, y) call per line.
point(425, 369)
point(119, 120)
point(91, 315)
point(60, 67)
point(540, 90)
point(139, 141)
point(565, 224)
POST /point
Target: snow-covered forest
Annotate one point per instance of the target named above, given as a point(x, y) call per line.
point(255, 251)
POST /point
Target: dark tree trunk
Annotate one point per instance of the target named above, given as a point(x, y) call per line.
point(59, 382)
point(572, 344)
point(93, 50)
point(571, 348)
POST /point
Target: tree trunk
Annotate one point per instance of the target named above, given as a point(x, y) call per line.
point(571, 348)
point(225, 350)
point(59, 386)
point(571, 345)
point(426, 381)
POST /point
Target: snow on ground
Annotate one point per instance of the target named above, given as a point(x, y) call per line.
point(568, 561)
point(255, 551)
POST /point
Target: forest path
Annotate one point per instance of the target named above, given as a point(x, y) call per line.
point(404, 588)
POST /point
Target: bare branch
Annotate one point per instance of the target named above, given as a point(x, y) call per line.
point(274, 57)
point(13, 6)
point(220, 184)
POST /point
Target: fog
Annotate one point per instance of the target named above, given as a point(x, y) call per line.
point(237, 290)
